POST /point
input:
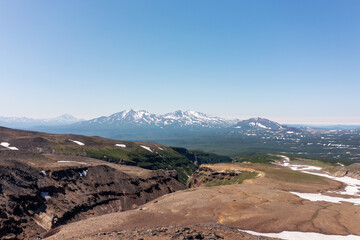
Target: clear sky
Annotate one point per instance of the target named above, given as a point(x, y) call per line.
point(290, 61)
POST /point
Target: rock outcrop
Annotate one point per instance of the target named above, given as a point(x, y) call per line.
point(342, 172)
point(220, 174)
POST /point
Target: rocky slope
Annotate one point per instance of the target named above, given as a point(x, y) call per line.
point(342, 172)
point(38, 197)
point(48, 180)
point(264, 204)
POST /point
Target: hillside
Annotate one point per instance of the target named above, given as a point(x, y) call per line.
point(48, 180)
point(144, 154)
point(43, 191)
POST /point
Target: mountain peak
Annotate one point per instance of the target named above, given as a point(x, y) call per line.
point(258, 124)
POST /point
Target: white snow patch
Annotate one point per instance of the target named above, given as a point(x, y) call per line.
point(315, 197)
point(352, 184)
point(160, 148)
point(147, 148)
point(43, 172)
point(292, 235)
point(296, 167)
point(73, 162)
point(77, 142)
point(120, 145)
point(262, 126)
point(7, 145)
point(45, 195)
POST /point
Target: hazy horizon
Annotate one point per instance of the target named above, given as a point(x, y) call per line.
point(282, 119)
point(288, 61)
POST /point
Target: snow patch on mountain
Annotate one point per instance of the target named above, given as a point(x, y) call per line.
point(7, 145)
point(77, 142)
point(147, 148)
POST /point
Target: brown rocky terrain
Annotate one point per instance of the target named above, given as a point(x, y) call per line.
point(42, 189)
point(38, 142)
point(51, 189)
point(209, 231)
point(342, 172)
point(263, 204)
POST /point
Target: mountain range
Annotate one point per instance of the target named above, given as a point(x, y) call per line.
point(195, 130)
point(174, 119)
point(141, 118)
point(134, 123)
point(23, 122)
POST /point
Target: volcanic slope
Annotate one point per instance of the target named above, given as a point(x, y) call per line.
point(48, 180)
point(143, 154)
point(264, 203)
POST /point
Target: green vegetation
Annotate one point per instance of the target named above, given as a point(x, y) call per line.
point(256, 157)
point(228, 180)
point(109, 154)
point(167, 159)
point(201, 156)
point(331, 161)
point(288, 175)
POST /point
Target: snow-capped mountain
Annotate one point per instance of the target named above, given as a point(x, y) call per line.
point(140, 117)
point(193, 118)
point(24, 122)
point(258, 124)
point(175, 119)
point(63, 119)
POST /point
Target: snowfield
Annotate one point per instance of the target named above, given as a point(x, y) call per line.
point(292, 235)
point(352, 185)
point(314, 197)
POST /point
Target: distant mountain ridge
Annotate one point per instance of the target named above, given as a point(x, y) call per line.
point(174, 119)
point(259, 124)
point(143, 119)
point(64, 119)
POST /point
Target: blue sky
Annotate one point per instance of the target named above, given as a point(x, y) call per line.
point(290, 61)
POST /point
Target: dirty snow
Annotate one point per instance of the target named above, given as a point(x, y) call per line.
point(292, 235)
point(45, 195)
point(120, 145)
point(83, 173)
point(7, 145)
point(77, 142)
point(314, 197)
point(147, 148)
point(72, 162)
